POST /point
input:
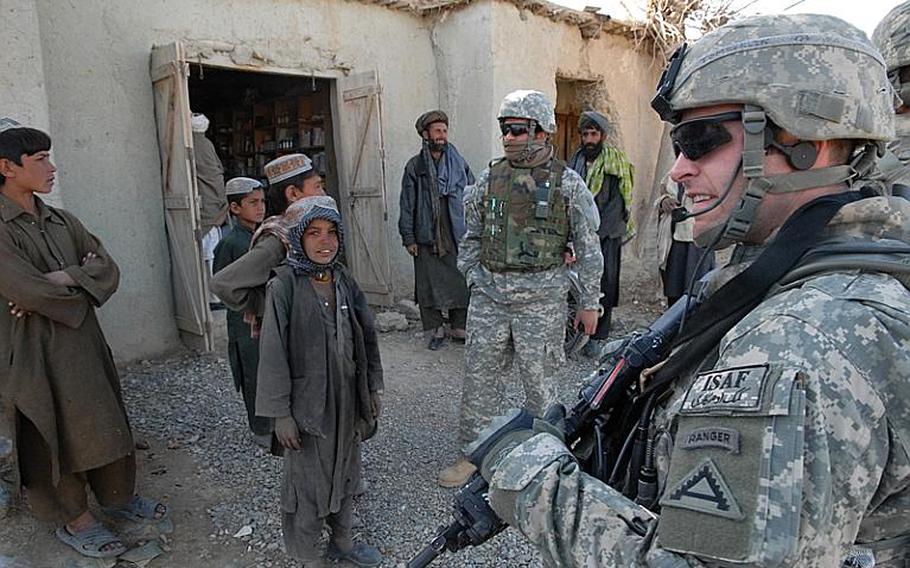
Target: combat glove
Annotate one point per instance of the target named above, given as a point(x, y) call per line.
point(503, 435)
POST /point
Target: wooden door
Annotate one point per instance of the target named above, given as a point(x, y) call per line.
point(361, 169)
point(169, 71)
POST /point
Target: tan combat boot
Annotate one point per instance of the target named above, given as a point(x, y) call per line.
point(456, 474)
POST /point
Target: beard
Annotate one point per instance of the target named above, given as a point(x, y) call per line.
point(591, 151)
point(439, 146)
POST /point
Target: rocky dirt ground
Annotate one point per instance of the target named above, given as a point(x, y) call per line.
point(194, 452)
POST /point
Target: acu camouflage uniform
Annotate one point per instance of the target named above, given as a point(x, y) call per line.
point(800, 454)
point(516, 312)
point(790, 445)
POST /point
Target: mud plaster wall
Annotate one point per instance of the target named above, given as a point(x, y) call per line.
point(22, 88)
point(462, 45)
point(102, 116)
point(532, 51)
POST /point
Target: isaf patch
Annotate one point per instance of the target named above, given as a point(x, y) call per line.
point(704, 490)
point(737, 388)
point(710, 437)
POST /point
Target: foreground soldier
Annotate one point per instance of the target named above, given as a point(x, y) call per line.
point(781, 432)
point(892, 37)
point(520, 215)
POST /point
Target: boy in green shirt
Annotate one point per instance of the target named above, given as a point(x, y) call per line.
point(246, 200)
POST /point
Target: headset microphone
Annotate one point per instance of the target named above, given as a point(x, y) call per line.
point(681, 214)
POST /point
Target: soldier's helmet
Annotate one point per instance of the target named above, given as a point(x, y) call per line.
point(892, 37)
point(816, 76)
point(532, 105)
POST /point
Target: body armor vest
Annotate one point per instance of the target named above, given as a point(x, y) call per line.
point(525, 218)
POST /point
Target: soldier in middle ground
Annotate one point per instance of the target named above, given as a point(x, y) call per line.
point(520, 216)
point(609, 176)
point(431, 222)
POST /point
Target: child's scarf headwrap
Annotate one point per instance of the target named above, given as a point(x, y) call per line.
point(321, 207)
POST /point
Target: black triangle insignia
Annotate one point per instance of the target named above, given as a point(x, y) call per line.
point(704, 490)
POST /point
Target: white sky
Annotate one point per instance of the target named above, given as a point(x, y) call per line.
point(864, 14)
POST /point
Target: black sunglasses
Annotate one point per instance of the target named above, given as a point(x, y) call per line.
point(515, 128)
point(698, 137)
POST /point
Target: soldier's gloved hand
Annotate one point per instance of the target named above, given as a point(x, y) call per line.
point(504, 434)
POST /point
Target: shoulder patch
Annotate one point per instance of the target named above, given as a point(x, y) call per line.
point(709, 437)
point(704, 490)
point(736, 388)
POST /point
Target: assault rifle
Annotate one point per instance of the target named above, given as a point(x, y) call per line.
point(593, 428)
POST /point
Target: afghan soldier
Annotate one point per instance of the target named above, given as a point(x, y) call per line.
point(892, 38)
point(520, 215)
point(781, 427)
point(609, 176)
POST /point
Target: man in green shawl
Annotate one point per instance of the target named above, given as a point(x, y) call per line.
point(609, 176)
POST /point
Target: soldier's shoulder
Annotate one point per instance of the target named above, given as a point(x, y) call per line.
point(856, 314)
point(476, 190)
point(572, 182)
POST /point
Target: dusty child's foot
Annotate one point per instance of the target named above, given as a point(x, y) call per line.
point(90, 538)
point(360, 554)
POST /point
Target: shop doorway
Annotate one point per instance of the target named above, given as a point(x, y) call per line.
point(257, 117)
point(573, 96)
point(254, 117)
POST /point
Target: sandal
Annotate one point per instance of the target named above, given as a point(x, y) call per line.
point(140, 510)
point(90, 541)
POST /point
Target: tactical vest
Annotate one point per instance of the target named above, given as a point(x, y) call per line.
point(525, 218)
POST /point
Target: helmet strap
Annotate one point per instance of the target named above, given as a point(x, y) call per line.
point(753, 165)
point(758, 184)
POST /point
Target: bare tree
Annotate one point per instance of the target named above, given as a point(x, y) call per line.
point(668, 23)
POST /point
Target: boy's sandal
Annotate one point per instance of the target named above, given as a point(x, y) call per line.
point(140, 510)
point(92, 540)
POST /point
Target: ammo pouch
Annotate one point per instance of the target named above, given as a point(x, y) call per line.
point(525, 218)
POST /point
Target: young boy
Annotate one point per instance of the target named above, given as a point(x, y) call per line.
point(241, 286)
point(60, 390)
point(320, 378)
point(246, 201)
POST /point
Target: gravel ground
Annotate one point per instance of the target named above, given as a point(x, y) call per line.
point(196, 453)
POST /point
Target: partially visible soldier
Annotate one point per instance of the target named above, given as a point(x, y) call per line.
point(609, 176)
point(520, 216)
point(892, 37)
point(780, 434)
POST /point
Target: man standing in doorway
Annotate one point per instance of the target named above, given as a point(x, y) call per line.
point(213, 204)
point(431, 222)
point(609, 176)
point(520, 216)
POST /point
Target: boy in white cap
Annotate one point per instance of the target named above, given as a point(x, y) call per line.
point(246, 200)
point(241, 286)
